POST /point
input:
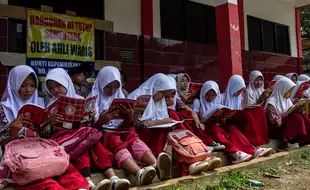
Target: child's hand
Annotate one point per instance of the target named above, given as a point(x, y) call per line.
point(17, 124)
point(200, 126)
point(56, 119)
point(300, 109)
point(128, 113)
point(92, 113)
point(107, 116)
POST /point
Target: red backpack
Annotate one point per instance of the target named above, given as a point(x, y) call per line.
point(190, 148)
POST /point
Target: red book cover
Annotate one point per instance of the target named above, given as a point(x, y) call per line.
point(141, 104)
point(33, 116)
point(194, 88)
point(73, 110)
point(222, 115)
point(127, 103)
point(300, 91)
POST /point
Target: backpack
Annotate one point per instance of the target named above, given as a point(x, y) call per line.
point(79, 141)
point(189, 147)
point(32, 159)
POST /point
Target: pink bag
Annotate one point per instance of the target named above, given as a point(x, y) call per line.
point(32, 159)
point(79, 141)
point(190, 148)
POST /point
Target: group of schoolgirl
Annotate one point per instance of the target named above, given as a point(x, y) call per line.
point(134, 144)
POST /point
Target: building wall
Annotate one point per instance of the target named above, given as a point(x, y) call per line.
point(125, 15)
point(274, 11)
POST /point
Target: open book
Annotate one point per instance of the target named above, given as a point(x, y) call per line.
point(194, 89)
point(304, 103)
point(168, 125)
point(121, 102)
point(300, 91)
point(73, 111)
point(140, 105)
point(219, 114)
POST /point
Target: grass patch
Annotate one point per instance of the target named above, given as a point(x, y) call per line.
point(238, 180)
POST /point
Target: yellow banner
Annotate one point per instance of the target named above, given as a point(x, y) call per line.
point(60, 37)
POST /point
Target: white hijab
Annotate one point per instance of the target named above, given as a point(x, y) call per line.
point(154, 110)
point(277, 99)
point(180, 76)
point(277, 77)
point(172, 75)
point(11, 102)
point(290, 75)
point(252, 94)
point(235, 84)
point(105, 76)
point(303, 77)
point(206, 108)
point(61, 76)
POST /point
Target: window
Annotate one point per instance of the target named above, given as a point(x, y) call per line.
point(17, 36)
point(268, 36)
point(94, 9)
point(188, 21)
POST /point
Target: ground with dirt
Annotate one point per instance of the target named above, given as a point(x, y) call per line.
point(289, 174)
point(293, 174)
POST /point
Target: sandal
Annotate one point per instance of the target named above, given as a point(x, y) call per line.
point(262, 152)
point(241, 157)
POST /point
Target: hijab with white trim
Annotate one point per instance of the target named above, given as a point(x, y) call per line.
point(277, 99)
point(11, 100)
point(179, 78)
point(62, 77)
point(206, 108)
point(105, 76)
point(252, 94)
point(235, 84)
point(154, 110)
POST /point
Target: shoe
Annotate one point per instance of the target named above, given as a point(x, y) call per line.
point(263, 152)
point(164, 164)
point(241, 157)
point(198, 167)
point(103, 185)
point(214, 162)
point(283, 146)
point(146, 175)
point(292, 146)
point(216, 146)
point(120, 184)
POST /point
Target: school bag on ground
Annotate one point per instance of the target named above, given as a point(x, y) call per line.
point(33, 159)
point(79, 141)
point(189, 147)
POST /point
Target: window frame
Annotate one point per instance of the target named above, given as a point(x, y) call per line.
point(275, 36)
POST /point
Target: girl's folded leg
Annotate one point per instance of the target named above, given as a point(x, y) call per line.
point(125, 161)
point(141, 152)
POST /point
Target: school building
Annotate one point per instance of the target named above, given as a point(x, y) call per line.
point(208, 39)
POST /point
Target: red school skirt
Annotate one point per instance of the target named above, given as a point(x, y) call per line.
point(252, 123)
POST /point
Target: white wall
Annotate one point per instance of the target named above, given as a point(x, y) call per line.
point(274, 11)
point(125, 15)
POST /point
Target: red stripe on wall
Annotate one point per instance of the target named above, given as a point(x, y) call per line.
point(147, 17)
point(298, 32)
